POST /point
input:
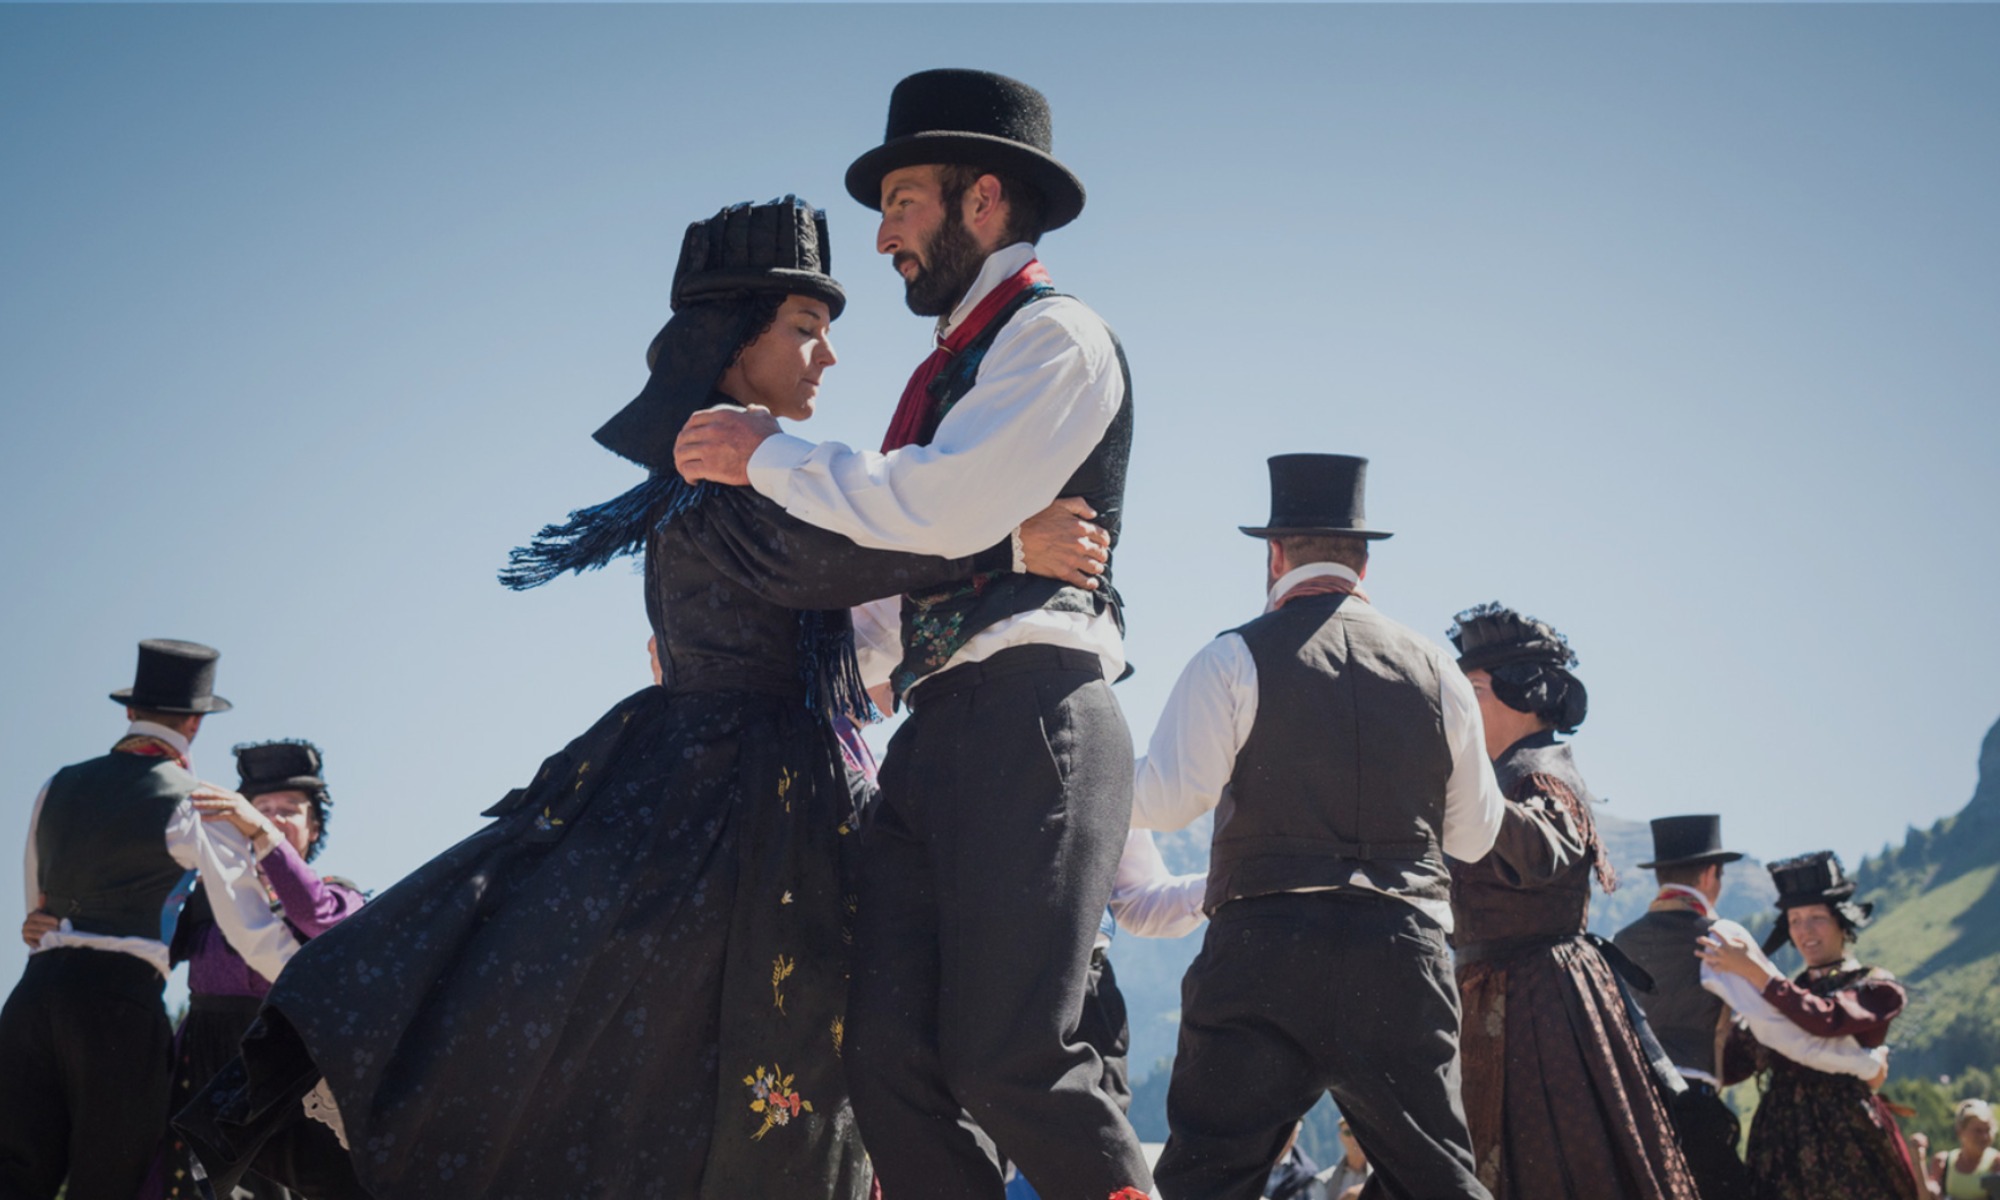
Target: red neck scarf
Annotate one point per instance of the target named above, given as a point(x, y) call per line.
point(1681, 894)
point(1320, 585)
point(915, 410)
point(147, 746)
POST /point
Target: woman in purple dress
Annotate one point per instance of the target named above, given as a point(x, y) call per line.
point(282, 807)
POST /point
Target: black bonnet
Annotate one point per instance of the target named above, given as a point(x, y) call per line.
point(758, 249)
point(1531, 664)
point(1815, 878)
point(286, 766)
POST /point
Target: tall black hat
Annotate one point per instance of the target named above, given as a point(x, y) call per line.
point(973, 118)
point(174, 677)
point(1688, 842)
point(1815, 878)
point(1320, 494)
point(287, 766)
point(1531, 664)
point(746, 250)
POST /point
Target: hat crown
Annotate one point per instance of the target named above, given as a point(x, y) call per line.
point(1680, 839)
point(1317, 493)
point(1490, 634)
point(955, 100)
point(1810, 879)
point(173, 676)
point(745, 248)
point(286, 765)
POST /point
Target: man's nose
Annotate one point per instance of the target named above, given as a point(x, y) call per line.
point(885, 241)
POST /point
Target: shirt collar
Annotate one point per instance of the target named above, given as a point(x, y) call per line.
point(1000, 265)
point(1313, 570)
point(1687, 895)
point(171, 737)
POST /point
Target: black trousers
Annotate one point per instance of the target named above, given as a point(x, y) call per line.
point(1299, 994)
point(1709, 1130)
point(1105, 1028)
point(85, 1053)
point(987, 865)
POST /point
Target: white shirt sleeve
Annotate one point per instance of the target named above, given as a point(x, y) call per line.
point(878, 639)
point(31, 866)
point(1046, 392)
point(1836, 1056)
point(1149, 901)
point(1473, 806)
point(1193, 752)
point(228, 866)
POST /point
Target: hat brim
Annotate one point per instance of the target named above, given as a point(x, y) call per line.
point(1832, 895)
point(1061, 190)
point(296, 783)
point(788, 281)
point(1713, 856)
point(204, 707)
point(1273, 531)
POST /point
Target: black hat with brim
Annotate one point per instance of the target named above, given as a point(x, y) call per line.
point(975, 119)
point(292, 766)
point(1688, 842)
point(1317, 495)
point(1815, 878)
point(174, 677)
point(779, 248)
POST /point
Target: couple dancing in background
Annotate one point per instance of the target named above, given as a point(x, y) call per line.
point(636, 980)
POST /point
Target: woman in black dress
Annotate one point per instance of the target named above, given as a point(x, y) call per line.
point(631, 983)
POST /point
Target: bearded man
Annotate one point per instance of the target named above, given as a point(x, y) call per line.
point(1006, 796)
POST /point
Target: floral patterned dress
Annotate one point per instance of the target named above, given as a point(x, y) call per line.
point(1818, 1136)
point(631, 983)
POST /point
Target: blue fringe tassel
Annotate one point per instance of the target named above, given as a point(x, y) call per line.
point(828, 667)
point(594, 536)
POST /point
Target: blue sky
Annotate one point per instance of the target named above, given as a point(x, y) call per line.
point(1674, 325)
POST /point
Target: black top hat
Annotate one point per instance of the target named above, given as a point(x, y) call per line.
point(1492, 635)
point(1317, 494)
point(174, 677)
point(278, 767)
point(749, 249)
point(1687, 842)
point(1815, 878)
point(977, 119)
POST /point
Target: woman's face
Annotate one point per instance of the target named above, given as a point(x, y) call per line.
point(780, 370)
point(292, 813)
point(1976, 1134)
point(1817, 934)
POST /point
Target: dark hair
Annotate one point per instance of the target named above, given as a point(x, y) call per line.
point(1685, 874)
point(322, 806)
point(1548, 691)
point(1302, 548)
point(174, 721)
point(1027, 210)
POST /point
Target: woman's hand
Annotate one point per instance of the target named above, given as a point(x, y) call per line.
point(1060, 542)
point(220, 804)
point(1736, 955)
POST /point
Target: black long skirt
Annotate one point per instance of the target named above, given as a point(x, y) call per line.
point(630, 984)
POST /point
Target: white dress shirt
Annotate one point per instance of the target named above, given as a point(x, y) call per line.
point(227, 864)
point(1213, 706)
point(1150, 901)
point(1047, 391)
point(1835, 1055)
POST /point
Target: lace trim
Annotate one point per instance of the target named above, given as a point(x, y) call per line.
point(321, 1107)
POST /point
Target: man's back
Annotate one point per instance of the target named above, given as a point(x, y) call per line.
point(101, 856)
point(1681, 1013)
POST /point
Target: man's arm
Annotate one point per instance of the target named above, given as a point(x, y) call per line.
point(1047, 390)
point(31, 865)
point(1193, 752)
point(1473, 806)
point(1150, 901)
point(227, 864)
point(1834, 1055)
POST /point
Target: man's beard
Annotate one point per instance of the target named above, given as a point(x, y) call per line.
point(954, 260)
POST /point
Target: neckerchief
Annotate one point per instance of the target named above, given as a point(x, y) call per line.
point(1682, 894)
point(146, 746)
point(1320, 585)
point(915, 410)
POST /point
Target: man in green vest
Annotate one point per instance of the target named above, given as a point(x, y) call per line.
point(114, 847)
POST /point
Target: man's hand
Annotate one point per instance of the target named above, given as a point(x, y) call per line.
point(1060, 542)
point(717, 443)
point(37, 924)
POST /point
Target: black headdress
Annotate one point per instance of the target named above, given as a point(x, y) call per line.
point(174, 677)
point(1815, 878)
point(286, 766)
point(1531, 664)
point(733, 269)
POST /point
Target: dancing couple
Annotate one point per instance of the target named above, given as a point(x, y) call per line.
point(635, 981)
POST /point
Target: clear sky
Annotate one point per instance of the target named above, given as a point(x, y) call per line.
point(1677, 326)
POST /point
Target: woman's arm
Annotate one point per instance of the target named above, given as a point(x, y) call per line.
point(1867, 1007)
point(312, 904)
point(1539, 837)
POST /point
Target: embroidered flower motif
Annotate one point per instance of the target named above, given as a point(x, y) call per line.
point(781, 970)
point(786, 898)
point(772, 1097)
point(546, 822)
point(839, 1031)
point(580, 772)
point(785, 781)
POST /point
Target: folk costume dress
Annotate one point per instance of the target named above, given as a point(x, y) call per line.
point(1559, 1095)
point(632, 983)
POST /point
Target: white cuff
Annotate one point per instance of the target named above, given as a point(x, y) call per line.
point(772, 463)
point(1020, 566)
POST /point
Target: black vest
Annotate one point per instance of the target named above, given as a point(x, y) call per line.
point(1682, 1015)
point(1345, 769)
point(937, 623)
point(101, 847)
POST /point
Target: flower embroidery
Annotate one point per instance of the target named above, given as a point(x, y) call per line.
point(785, 781)
point(773, 1098)
point(781, 970)
point(545, 822)
point(839, 1030)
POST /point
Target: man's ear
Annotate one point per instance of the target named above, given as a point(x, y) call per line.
point(984, 210)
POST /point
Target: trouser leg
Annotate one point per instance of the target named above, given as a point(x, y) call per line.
point(1105, 1028)
point(34, 1114)
point(1709, 1130)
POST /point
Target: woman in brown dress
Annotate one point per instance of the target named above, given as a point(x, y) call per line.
point(1559, 1094)
point(1818, 1136)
